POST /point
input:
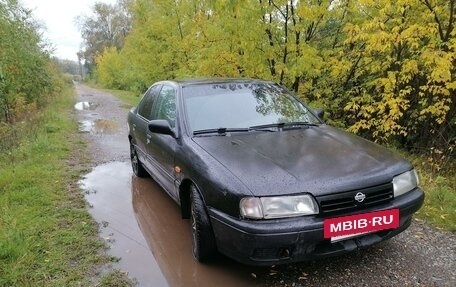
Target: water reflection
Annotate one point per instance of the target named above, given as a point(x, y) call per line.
point(242, 105)
point(169, 239)
point(85, 126)
point(80, 106)
point(107, 190)
point(99, 126)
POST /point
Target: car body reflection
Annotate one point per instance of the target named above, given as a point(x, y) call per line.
point(169, 239)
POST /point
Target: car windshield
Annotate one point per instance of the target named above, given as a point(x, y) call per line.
point(242, 105)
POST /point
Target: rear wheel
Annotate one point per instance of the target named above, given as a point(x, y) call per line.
point(136, 165)
point(203, 241)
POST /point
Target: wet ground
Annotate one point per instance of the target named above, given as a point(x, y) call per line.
point(143, 228)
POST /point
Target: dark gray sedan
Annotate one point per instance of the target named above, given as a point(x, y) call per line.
point(262, 178)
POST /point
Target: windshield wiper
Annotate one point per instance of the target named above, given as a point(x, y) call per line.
point(294, 124)
point(283, 125)
point(220, 131)
point(267, 127)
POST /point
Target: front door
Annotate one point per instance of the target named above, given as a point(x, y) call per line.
point(162, 148)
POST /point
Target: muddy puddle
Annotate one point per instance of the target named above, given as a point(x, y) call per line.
point(81, 106)
point(142, 226)
point(108, 192)
point(99, 126)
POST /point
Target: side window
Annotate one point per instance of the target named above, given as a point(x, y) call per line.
point(145, 106)
point(165, 106)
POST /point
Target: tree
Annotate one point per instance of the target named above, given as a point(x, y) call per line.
point(383, 69)
point(68, 66)
point(404, 85)
point(25, 72)
point(107, 27)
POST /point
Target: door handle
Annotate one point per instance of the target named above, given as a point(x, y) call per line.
point(134, 126)
point(149, 137)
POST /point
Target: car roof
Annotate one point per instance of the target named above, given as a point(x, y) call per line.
point(205, 81)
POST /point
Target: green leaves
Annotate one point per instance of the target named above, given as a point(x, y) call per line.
point(406, 67)
point(106, 28)
point(28, 77)
point(383, 69)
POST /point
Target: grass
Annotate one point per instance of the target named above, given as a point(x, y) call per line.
point(440, 190)
point(116, 279)
point(47, 237)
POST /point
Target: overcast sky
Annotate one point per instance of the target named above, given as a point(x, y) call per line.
point(58, 16)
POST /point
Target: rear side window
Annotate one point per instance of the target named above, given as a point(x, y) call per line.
point(145, 106)
point(165, 106)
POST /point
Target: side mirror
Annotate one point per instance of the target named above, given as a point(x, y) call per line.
point(319, 113)
point(161, 127)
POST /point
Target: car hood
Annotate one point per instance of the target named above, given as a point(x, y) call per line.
point(318, 160)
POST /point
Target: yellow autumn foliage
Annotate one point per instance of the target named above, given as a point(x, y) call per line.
point(383, 69)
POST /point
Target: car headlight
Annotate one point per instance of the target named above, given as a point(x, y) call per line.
point(405, 182)
point(278, 206)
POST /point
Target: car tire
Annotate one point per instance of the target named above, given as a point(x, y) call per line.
point(203, 240)
point(136, 165)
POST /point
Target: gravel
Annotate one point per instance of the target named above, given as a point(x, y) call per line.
point(420, 256)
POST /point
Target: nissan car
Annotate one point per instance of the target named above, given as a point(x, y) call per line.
point(262, 178)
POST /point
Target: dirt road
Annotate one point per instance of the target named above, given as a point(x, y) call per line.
point(142, 226)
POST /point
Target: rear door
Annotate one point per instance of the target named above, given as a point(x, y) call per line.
point(140, 126)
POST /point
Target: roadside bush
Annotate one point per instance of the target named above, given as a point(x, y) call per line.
point(28, 77)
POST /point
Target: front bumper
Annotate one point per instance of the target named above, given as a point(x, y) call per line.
point(287, 240)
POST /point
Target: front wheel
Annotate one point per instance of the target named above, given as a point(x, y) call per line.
point(136, 165)
point(203, 241)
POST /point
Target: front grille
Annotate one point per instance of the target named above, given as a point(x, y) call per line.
point(345, 201)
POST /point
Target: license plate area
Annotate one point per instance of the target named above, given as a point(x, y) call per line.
point(345, 237)
point(346, 227)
